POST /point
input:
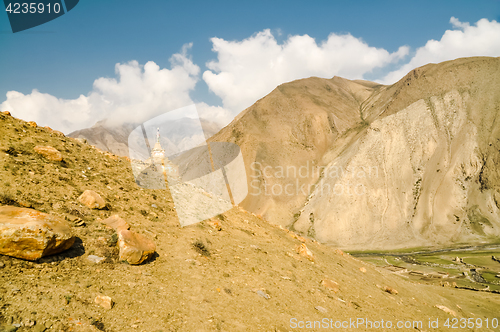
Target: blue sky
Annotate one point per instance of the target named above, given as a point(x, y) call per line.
point(64, 57)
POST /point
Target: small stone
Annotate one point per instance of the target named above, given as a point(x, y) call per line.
point(304, 251)
point(32, 124)
point(79, 222)
point(390, 290)
point(28, 322)
point(330, 284)
point(134, 248)
point(6, 113)
point(81, 140)
point(446, 309)
point(362, 269)
point(92, 200)
point(49, 152)
point(29, 234)
point(116, 223)
point(1, 265)
point(321, 309)
point(104, 301)
point(263, 294)
point(95, 259)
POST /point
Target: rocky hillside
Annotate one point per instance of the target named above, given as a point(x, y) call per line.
point(235, 272)
point(365, 166)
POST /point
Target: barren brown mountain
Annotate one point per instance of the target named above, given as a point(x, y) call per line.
point(365, 166)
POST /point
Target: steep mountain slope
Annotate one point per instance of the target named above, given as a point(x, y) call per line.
point(410, 164)
point(235, 272)
point(296, 125)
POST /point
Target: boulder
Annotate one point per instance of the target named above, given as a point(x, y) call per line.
point(116, 223)
point(134, 248)
point(29, 234)
point(49, 152)
point(92, 200)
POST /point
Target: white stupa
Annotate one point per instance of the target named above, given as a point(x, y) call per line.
point(158, 158)
point(157, 154)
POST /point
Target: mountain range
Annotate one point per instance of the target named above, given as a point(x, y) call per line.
point(365, 166)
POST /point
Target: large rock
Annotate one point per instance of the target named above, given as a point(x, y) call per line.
point(134, 248)
point(92, 199)
point(29, 234)
point(116, 223)
point(49, 152)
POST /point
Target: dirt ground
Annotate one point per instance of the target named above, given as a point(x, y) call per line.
point(235, 272)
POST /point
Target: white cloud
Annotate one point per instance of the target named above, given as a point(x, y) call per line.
point(47, 110)
point(137, 94)
point(216, 114)
point(243, 72)
point(481, 39)
point(249, 69)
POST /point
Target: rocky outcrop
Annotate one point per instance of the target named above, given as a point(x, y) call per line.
point(29, 234)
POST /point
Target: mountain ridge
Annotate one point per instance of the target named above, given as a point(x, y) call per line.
point(350, 112)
